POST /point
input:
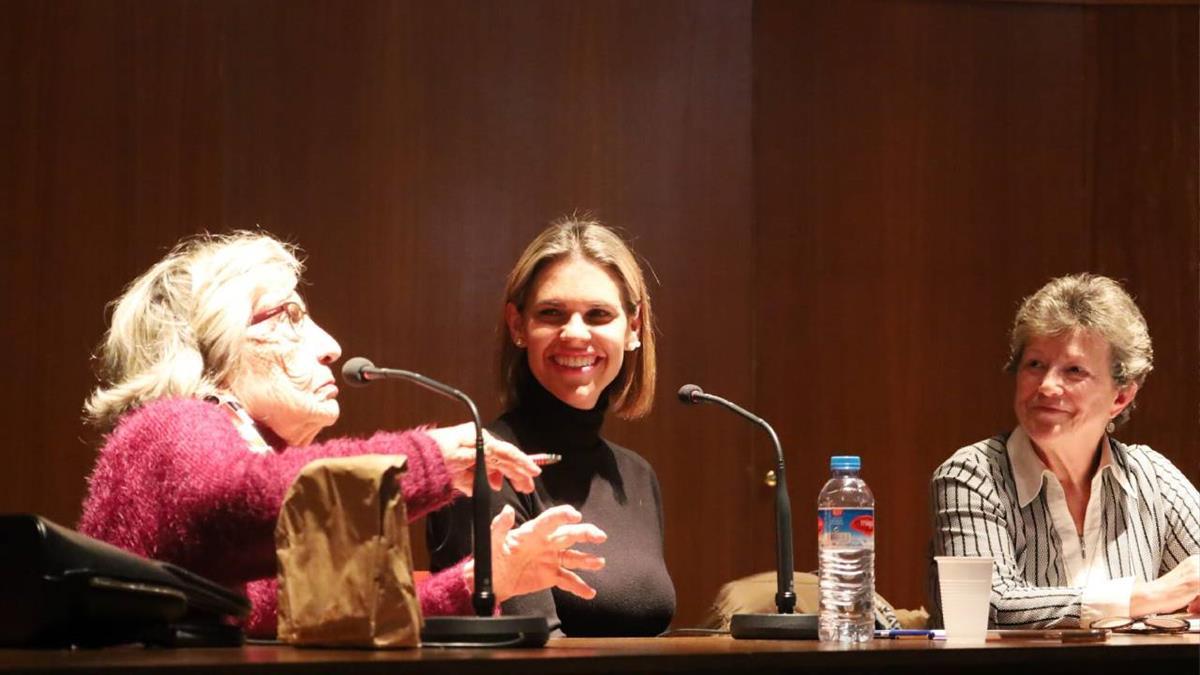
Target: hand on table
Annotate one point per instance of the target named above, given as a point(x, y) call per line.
point(1173, 591)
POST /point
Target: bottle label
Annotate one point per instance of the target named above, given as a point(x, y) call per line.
point(846, 528)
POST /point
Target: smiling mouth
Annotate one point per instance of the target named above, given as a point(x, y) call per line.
point(580, 361)
point(1049, 409)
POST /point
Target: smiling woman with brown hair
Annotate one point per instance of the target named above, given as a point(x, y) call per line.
point(1081, 525)
point(577, 342)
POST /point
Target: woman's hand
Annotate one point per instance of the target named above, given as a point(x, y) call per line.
point(538, 554)
point(1174, 590)
point(504, 460)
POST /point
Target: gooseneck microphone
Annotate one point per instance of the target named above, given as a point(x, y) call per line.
point(786, 624)
point(484, 629)
point(359, 371)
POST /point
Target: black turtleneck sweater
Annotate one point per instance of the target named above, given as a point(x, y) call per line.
point(614, 488)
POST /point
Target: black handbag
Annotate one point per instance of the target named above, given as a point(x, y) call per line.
point(59, 588)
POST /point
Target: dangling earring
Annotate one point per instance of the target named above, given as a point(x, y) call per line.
point(634, 343)
point(1112, 426)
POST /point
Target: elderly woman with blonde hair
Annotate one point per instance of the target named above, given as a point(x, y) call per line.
point(215, 384)
point(1082, 527)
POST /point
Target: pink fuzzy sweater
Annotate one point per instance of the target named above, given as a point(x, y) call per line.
point(176, 482)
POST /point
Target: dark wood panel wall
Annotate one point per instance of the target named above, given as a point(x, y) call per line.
point(841, 202)
point(922, 166)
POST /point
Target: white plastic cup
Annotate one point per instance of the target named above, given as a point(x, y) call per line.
point(966, 589)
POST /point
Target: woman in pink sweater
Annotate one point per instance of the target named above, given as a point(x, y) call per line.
point(215, 384)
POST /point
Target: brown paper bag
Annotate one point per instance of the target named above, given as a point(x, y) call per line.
point(345, 566)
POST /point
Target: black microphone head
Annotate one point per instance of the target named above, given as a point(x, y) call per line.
point(687, 393)
point(352, 371)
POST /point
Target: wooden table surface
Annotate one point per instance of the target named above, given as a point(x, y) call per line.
point(1152, 655)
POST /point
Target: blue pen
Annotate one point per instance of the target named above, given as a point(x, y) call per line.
point(898, 633)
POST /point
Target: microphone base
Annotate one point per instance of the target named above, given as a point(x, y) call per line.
point(773, 626)
point(485, 631)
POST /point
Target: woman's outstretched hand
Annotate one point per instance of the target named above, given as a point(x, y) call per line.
point(539, 554)
point(504, 460)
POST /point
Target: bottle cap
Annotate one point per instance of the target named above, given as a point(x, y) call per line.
point(845, 463)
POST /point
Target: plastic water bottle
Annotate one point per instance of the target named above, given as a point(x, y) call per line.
point(846, 548)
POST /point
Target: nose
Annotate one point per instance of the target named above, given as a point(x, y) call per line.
point(575, 328)
point(1051, 383)
point(328, 350)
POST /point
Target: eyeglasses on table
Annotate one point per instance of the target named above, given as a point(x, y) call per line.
point(1150, 625)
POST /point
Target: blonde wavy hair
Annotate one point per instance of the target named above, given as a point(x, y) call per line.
point(176, 330)
point(1094, 303)
point(632, 392)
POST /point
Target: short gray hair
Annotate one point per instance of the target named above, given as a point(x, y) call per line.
point(1094, 303)
point(177, 329)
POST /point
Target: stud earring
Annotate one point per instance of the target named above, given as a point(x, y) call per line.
point(519, 342)
point(634, 343)
point(1111, 427)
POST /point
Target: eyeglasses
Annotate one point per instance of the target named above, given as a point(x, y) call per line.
point(1143, 626)
point(294, 313)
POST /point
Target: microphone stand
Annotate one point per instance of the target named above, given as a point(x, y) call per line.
point(786, 624)
point(485, 629)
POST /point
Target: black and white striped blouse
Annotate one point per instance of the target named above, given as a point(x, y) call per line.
point(995, 498)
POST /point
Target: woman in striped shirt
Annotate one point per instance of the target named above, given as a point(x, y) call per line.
point(1081, 526)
